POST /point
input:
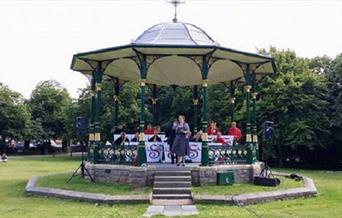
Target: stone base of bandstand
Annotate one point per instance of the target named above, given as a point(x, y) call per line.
point(144, 176)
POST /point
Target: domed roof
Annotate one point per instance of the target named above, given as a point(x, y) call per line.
point(175, 34)
point(172, 54)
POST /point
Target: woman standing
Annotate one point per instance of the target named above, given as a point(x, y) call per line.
point(171, 134)
point(180, 145)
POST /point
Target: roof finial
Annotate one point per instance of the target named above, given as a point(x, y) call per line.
point(175, 4)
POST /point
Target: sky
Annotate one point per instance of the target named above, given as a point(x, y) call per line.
point(38, 38)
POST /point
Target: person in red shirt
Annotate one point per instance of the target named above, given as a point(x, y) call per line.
point(149, 130)
point(234, 131)
point(219, 139)
point(213, 129)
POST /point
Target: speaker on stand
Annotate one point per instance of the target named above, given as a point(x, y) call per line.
point(266, 177)
point(81, 127)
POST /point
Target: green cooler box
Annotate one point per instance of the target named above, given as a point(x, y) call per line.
point(225, 178)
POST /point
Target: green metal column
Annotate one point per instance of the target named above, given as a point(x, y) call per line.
point(116, 101)
point(204, 71)
point(232, 101)
point(195, 103)
point(249, 144)
point(154, 104)
point(91, 151)
point(97, 126)
point(254, 121)
point(141, 148)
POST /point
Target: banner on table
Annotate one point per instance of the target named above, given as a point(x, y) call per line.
point(194, 156)
point(195, 153)
point(167, 153)
point(228, 139)
point(153, 151)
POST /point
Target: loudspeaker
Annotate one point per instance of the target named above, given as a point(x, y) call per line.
point(268, 130)
point(80, 125)
point(265, 181)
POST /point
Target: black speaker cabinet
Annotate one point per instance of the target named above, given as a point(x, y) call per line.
point(265, 181)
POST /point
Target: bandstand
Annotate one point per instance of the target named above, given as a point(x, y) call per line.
point(173, 54)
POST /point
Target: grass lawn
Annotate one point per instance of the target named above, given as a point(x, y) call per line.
point(236, 189)
point(79, 184)
point(328, 203)
point(14, 203)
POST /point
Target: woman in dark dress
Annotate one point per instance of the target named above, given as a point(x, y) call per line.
point(171, 134)
point(180, 145)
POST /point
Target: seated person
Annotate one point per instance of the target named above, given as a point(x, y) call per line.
point(234, 131)
point(149, 130)
point(197, 137)
point(155, 137)
point(219, 138)
point(136, 136)
point(158, 129)
point(122, 139)
point(213, 129)
point(119, 129)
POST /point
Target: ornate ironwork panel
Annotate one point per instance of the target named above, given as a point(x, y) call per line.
point(118, 154)
point(223, 154)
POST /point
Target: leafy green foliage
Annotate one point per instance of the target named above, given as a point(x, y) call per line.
point(14, 116)
point(49, 103)
point(296, 101)
point(303, 99)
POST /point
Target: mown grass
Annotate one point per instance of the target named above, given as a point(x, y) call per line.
point(79, 184)
point(328, 202)
point(236, 189)
point(14, 202)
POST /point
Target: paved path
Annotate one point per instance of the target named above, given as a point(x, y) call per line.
point(171, 210)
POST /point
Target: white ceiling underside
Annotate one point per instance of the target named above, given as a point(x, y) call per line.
point(174, 68)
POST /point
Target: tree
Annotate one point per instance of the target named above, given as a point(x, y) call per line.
point(296, 100)
point(320, 65)
point(49, 103)
point(334, 75)
point(14, 116)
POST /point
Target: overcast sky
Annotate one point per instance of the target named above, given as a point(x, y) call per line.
point(38, 38)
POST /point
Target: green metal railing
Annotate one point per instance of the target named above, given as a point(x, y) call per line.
point(114, 154)
point(128, 154)
point(222, 154)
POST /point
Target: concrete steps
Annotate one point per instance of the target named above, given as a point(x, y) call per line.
point(172, 178)
point(165, 184)
point(172, 187)
point(173, 173)
point(171, 196)
point(172, 202)
point(169, 190)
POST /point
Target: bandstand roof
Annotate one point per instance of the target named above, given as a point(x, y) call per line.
point(174, 52)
